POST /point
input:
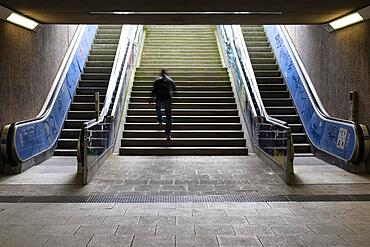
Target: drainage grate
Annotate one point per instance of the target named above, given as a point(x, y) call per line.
point(181, 199)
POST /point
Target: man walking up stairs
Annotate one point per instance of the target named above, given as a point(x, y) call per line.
point(205, 116)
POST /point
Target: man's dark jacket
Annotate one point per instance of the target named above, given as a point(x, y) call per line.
point(163, 88)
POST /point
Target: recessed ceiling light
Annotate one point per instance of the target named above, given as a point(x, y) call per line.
point(184, 13)
point(18, 19)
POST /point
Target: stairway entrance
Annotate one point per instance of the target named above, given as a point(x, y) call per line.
point(205, 115)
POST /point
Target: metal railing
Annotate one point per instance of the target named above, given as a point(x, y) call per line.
point(271, 138)
point(98, 136)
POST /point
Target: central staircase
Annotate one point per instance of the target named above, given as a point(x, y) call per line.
point(205, 116)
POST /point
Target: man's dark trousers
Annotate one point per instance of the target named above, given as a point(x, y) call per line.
point(167, 105)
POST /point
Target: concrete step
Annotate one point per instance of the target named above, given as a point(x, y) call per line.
point(272, 87)
point(187, 88)
point(101, 57)
point(65, 152)
point(185, 78)
point(269, 80)
point(186, 112)
point(183, 142)
point(265, 66)
point(183, 151)
point(93, 83)
point(263, 60)
point(274, 94)
point(104, 46)
point(186, 106)
point(187, 83)
point(185, 126)
point(296, 127)
point(186, 119)
point(183, 134)
point(87, 98)
point(106, 41)
point(253, 38)
point(190, 99)
point(267, 73)
point(277, 102)
point(299, 138)
point(257, 44)
point(302, 148)
point(188, 94)
point(184, 69)
point(95, 76)
point(75, 106)
point(81, 114)
point(90, 90)
point(99, 63)
point(99, 70)
point(103, 52)
point(259, 49)
point(261, 54)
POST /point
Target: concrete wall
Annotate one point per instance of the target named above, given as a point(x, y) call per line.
point(29, 62)
point(337, 63)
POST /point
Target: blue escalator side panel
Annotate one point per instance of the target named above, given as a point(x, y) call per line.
point(334, 138)
point(36, 137)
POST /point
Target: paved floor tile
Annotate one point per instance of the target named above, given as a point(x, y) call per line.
point(300, 219)
point(229, 220)
point(148, 230)
point(175, 212)
point(58, 230)
point(323, 240)
point(160, 205)
point(212, 230)
point(142, 212)
point(234, 241)
point(274, 211)
point(330, 229)
point(68, 241)
point(157, 220)
point(285, 205)
point(360, 228)
point(186, 231)
point(153, 241)
point(16, 230)
point(208, 212)
point(357, 240)
point(265, 220)
point(47, 220)
point(291, 229)
point(111, 241)
point(281, 241)
point(25, 240)
point(252, 230)
point(97, 230)
point(121, 220)
point(109, 212)
point(85, 220)
point(242, 212)
point(254, 205)
point(209, 241)
point(193, 220)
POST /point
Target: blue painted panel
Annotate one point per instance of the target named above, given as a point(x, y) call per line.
point(337, 139)
point(36, 137)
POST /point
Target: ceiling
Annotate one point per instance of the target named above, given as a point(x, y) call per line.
point(77, 11)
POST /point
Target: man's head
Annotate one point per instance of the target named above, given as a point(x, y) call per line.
point(163, 72)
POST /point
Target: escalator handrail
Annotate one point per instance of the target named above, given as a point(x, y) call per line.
point(252, 78)
point(307, 81)
point(120, 64)
point(312, 94)
point(59, 79)
point(249, 97)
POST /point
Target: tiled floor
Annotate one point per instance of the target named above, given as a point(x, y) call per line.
point(185, 224)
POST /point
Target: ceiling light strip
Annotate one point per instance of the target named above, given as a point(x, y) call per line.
point(184, 13)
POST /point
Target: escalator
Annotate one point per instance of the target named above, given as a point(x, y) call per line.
point(280, 107)
point(94, 79)
point(273, 90)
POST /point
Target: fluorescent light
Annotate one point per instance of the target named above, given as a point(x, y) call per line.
point(22, 21)
point(183, 13)
point(346, 21)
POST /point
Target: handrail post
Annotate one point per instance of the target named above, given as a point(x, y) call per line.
point(97, 105)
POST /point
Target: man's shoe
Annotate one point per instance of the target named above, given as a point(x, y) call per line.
point(168, 138)
point(160, 124)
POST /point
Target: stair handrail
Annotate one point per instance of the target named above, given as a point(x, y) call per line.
point(58, 86)
point(249, 96)
point(239, 38)
point(360, 131)
point(125, 56)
